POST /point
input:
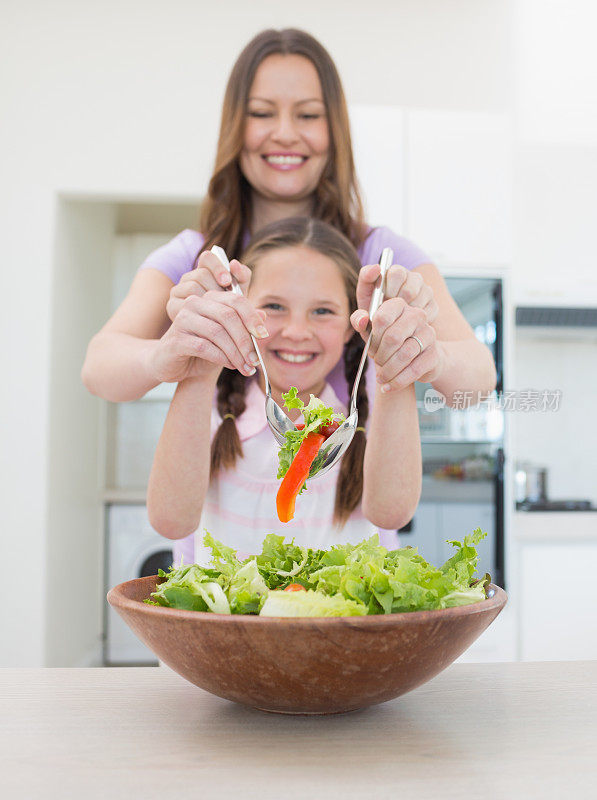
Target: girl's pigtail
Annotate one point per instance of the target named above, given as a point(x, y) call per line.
point(226, 446)
point(349, 487)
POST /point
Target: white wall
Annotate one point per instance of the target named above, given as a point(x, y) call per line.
point(80, 302)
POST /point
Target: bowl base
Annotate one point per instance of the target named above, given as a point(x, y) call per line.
point(306, 713)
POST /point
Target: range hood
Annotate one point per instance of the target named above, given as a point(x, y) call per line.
point(555, 317)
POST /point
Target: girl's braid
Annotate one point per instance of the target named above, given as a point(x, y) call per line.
point(231, 403)
point(349, 488)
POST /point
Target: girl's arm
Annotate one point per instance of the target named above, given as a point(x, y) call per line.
point(392, 467)
point(180, 472)
point(392, 471)
point(208, 333)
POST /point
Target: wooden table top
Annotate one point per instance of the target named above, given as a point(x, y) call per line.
point(516, 730)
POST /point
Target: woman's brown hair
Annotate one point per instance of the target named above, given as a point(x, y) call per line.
point(226, 212)
point(226, 445)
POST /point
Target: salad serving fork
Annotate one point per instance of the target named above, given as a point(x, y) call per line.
point(278, 421)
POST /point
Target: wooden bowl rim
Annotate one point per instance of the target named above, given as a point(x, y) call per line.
point(117, 597)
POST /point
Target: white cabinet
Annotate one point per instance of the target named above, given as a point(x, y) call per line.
point(459, 186)
point(378, 147)
point(443, 179)
point(558, 601)
point(556, 198)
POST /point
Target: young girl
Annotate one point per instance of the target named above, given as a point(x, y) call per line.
point(215, 465)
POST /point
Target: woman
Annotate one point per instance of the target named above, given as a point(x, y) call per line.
point(284, 150)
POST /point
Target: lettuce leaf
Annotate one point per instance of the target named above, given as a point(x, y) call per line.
point(309, 604)
point(247, 590)
point(315, 415)
point(193, 588)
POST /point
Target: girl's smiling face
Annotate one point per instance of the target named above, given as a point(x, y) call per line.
point(304, 295)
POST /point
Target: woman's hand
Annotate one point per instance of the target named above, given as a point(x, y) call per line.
point(208, 275)
point(208, 333)
point(400, 282)
point(400, 358)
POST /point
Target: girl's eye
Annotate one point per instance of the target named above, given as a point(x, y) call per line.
point(272, 306)
point(322, 311)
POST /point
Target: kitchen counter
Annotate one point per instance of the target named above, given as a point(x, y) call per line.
point(555, 526)
point(514, 730)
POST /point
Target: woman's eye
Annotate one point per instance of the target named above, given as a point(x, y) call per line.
point(259, 114)
point(310, 116)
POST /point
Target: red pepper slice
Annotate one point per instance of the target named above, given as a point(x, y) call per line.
point(295, 587)
point(297, 474)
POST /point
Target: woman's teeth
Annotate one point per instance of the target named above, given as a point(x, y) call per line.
point(284, 159)
point(295, 358)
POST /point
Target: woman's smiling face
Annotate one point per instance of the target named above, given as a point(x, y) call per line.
point(304, 295)
point(286, 139)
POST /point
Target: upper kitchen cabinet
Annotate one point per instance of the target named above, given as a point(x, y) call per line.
point(458, 187)
point(554, 226)
point(378, 147)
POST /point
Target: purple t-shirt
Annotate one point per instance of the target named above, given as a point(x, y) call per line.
point(179, 254)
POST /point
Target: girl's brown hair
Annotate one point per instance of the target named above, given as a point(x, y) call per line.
point(226, 212)
point(226, 446)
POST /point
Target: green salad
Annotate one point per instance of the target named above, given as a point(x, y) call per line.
point(286, 580)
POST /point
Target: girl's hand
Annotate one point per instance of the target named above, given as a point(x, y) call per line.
point(400, 282)
point(208, 333)
point(208, 275)
point(399, 358)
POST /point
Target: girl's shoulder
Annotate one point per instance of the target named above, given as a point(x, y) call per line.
point(406, 253)
point(176, 256)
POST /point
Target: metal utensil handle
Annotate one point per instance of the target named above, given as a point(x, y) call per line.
point(385, 262)
point(220, 253)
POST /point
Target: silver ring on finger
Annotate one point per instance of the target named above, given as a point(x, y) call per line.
point(418, 341)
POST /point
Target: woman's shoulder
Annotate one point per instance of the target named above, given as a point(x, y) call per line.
point(176, 256)
point(406, 252)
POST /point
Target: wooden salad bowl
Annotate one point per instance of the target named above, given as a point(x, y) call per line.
point(304, 665)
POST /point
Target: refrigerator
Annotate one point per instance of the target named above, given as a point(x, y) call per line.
point(463, 449)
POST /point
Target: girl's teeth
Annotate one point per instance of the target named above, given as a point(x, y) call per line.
point(284, 159)
point(294, 358)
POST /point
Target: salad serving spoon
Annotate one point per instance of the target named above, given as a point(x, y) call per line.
point(337, 444)
point(278, 421)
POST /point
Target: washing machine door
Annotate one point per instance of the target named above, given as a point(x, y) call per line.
point(133, 550)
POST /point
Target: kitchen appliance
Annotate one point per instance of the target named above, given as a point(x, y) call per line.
point(463, 449)
point(133, 550)
point(531, 483)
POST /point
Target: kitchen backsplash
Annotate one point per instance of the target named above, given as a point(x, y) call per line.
point(563, 440)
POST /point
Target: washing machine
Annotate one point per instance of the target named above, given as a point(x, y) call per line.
point(133, 550)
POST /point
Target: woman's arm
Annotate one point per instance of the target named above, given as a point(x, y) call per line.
point(180, 472)
point(465, 363)
point(392, 467)
point(119, 364)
